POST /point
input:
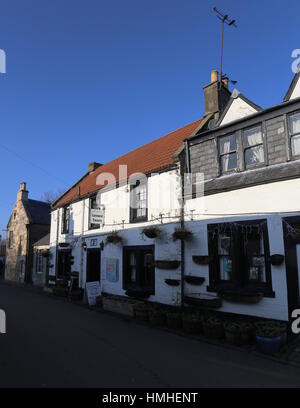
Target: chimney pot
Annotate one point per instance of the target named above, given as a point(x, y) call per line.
point(214, 76)
point(23, 186)
point(22, 193)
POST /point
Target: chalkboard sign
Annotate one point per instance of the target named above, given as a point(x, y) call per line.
point(92, 291)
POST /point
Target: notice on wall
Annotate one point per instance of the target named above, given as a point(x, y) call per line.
point(92, 291)
point(112, 269)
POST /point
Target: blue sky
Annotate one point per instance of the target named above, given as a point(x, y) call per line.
point(88, 80)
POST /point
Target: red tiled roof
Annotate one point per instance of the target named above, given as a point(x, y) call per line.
point(148, 158)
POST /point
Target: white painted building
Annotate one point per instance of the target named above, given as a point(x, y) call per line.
point(242, 256)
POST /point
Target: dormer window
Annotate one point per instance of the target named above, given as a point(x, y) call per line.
point(294, 131)
point(65, 220)
point(227, 153)
point(253, 147)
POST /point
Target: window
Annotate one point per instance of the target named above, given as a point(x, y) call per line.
point(228, 155)
point(10, 239)
point(138, 268)
point(294, 130)
point(39, 262)
point(138, 202)
point(94, 205)
point(65, 220)
point(240, 257)
point(253, 146)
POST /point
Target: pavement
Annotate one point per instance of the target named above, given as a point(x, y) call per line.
point(51, 342)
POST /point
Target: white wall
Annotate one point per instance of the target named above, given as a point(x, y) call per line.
point(237, 110)
point(249, 203)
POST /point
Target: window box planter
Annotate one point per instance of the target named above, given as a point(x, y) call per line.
point(201, 259)
point(172, 282)
point(151, 232)
point(157, 317)
point(182, 234)
point(204, 301)
point(245, 297)
point(141, 312)
point(138, 293)
point(113, 238)
point(238, 332)
point(213, 327)
point(192, 323)
point(120, 306)
point(276, 259)
point(63, 244)
point(174, 320)
point(166, 264)
point(194, 280)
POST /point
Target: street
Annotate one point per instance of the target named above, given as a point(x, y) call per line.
point(54, 343)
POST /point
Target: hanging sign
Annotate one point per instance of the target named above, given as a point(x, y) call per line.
point(97, 215)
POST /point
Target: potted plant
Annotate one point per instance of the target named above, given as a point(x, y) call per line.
point(182, 234)
point(141, 312)
point(113, 238)
point(191, 323)
point(157, 317)
point(174, 320)
point(268, 337)
point(238, 332)
point(281, 327)
point(151, 232)
point(201, 259)
point(213, 327)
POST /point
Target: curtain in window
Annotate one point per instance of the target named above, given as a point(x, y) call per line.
point(253, 137)
point(226, 149)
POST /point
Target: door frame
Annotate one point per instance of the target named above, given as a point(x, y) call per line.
point(89, 250)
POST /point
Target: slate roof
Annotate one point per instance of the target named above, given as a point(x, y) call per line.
point(45, 240)
point(152, 157)
point(38, 212)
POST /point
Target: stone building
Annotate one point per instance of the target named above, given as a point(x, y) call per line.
point(29, 222)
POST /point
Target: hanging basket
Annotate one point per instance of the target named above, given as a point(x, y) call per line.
point(166, 264)
point(201, 259)
point(113, 239)
point(138, 293)
point(172, 282)
point(182, 234)
point(194, 280)
point(151, 232)
point(210, 302)
point(276, 259)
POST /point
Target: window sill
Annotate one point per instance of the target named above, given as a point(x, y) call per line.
point(247, 291)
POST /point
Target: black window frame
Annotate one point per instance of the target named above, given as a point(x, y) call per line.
point(240, 281)
point(245, 148)
point(92, 226)
point(221, 155)
point(139, 284)
point(133, 207)
point(65, 224)
point(291, 135)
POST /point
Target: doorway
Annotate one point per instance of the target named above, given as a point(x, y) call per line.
point(93, 265)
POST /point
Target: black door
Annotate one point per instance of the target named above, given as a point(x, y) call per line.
point(93, 265)
point(291, 262)
point(64, 265)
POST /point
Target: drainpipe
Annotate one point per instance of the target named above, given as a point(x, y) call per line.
point(182, 242)
point(57, 232)
point(81, 249)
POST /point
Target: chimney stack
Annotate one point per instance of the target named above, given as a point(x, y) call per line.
point(216, 95)
point(93, 166)
point(22, 193)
